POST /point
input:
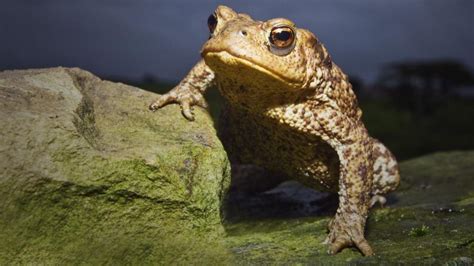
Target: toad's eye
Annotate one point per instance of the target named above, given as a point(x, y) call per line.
point(212, 22)
point(282, 40)
point(282, 37)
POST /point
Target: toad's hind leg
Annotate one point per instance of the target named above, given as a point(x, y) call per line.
point(386, 174)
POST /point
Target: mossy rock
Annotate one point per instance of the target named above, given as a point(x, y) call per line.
point(429, 220)
point(89, 175)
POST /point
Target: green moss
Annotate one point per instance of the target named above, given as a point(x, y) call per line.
point(177, 182)
point(391, 231)
point(440, 238)
point(66, 223)
point(91, 176)
point(421, 225)
point(282, 242)
point(419, 231)
point(110, 212)
point(469, 200)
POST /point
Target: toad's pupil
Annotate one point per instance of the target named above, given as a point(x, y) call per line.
point(283, 35)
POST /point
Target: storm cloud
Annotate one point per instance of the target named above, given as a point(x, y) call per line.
point(131, 38)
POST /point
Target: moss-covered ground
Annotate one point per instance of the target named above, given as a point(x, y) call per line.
point(429, 220)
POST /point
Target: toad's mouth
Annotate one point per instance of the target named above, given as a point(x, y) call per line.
point(217, 59)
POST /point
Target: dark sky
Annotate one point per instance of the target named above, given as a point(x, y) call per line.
point(130, 38)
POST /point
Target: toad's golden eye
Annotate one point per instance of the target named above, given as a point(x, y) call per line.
point(282, 37)
point(212, 22)
point(282, 40)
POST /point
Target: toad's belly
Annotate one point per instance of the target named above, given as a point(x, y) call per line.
point(264, 142)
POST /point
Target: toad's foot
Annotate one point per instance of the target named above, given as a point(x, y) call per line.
point(189, 91)
point(185, 97)
point(347, 232)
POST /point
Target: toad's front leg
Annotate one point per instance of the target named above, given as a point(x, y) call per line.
point(355, 183)
point(349, 138)
point(189, 91)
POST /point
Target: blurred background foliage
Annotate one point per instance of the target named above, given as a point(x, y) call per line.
point(414, 107)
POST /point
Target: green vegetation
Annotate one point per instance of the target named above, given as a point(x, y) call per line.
point(420, 231)
point(448, 127)
point(108, 212)
point(64, 223)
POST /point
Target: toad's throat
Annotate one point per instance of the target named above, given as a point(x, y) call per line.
point(214, 58)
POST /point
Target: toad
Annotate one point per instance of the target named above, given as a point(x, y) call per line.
point(288, 108)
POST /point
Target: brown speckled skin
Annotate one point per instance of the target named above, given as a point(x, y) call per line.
point(293, 113)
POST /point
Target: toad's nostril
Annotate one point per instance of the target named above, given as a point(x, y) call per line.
point(243, 33)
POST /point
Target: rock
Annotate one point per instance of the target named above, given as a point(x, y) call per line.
point(428, 220)
point(89, 176)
